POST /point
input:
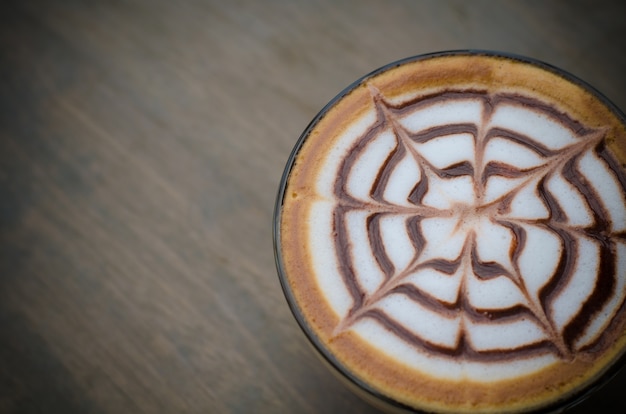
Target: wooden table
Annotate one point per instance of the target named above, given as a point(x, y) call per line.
point(141, 146)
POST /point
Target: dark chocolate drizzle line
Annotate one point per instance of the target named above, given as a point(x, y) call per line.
point(602, 293)
point(560, 278)
point(487, 270)
point(620, 173)
point(402, 332)
point(415, 234)
point(456, 170)
point(419, 191)
point(346, 165)
point(618, 169)
point(505, 315)
point(447, 310)
point(556, 212)
point(503, 170)
point(448, 267)
point(562, 118)
point(521, 352)
point(521, 139)
point(606, 340)
point(343, 248)
point(442, 131)
point(538, 306)
point(600, 214)
point(420, 102)
point(377, 245)
point(380, 183)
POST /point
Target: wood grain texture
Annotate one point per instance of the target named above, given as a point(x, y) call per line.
point(141, 146)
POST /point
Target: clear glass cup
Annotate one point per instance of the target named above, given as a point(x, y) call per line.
point(356, 381)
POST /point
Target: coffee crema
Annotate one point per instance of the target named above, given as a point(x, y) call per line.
point(451, 234)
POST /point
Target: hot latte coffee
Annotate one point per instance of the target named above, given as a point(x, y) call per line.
point(451, 234)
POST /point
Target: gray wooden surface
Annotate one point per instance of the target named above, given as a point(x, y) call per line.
point(141, 146)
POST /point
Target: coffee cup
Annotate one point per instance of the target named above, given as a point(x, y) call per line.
point(450, 234)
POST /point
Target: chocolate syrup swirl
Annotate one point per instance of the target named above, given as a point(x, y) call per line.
point(583, 250)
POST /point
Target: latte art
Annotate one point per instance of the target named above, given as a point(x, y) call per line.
point(486, 228)
point(451, 235)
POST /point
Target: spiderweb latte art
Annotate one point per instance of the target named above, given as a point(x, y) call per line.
point(450, 233)
point(473, 227)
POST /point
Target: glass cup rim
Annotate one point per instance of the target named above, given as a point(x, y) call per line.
point(320, 348)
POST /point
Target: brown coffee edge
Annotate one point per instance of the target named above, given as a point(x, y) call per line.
point(359, 359)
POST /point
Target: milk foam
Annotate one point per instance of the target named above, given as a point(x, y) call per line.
point(458, 225)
